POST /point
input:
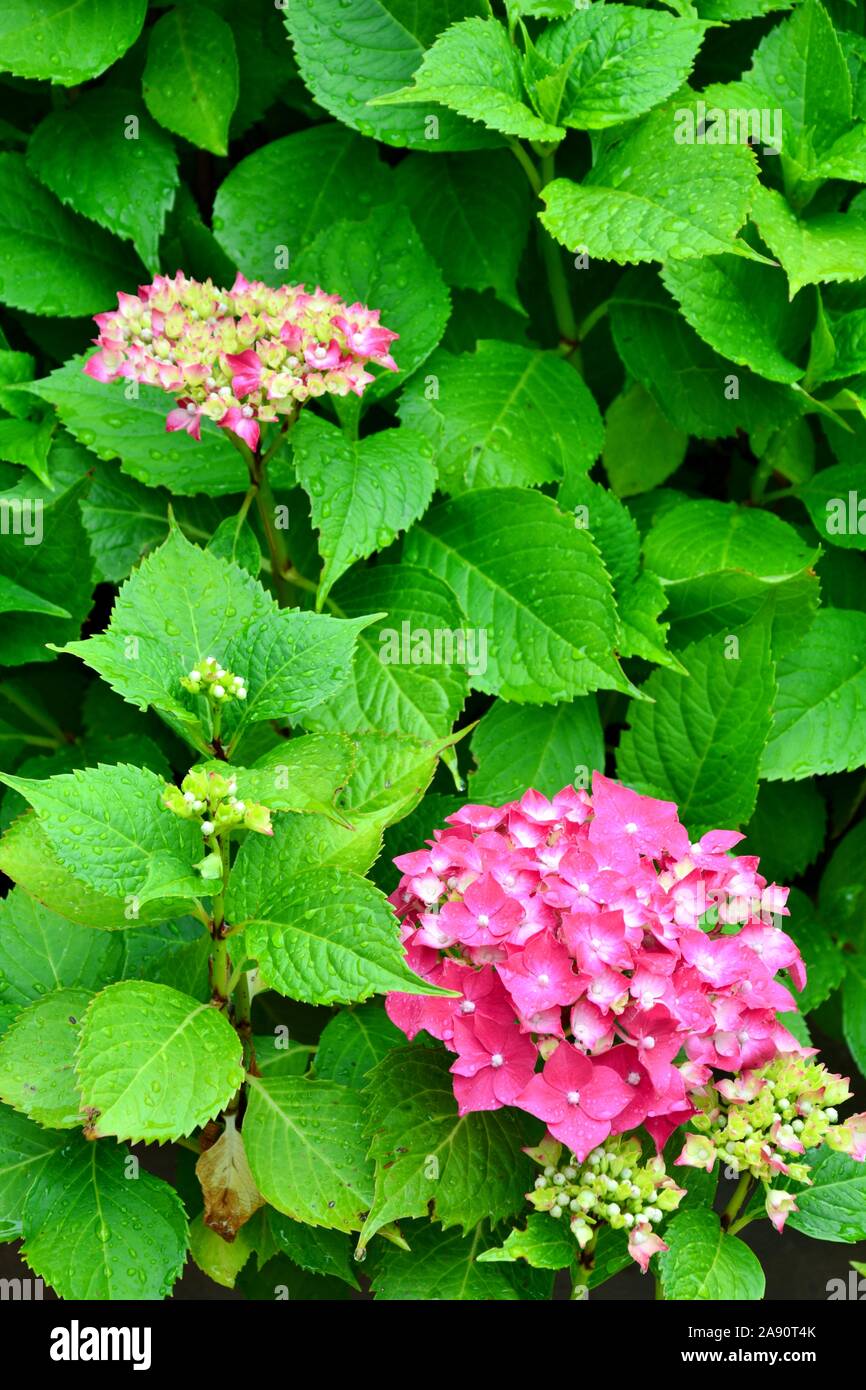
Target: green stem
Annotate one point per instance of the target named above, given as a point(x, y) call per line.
point(557, 281)
point(741, 1193)
point(257, 465)
point(527, 165)
point(220, 961)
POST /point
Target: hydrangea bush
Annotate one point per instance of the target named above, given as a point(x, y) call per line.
point(433, 647)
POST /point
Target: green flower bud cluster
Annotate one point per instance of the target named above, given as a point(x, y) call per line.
point(211, 798)
point(210, 679)
point(757, 1121)
point(612, 1185)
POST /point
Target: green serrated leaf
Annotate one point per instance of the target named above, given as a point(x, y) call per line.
point(503, 415)
point(103, 419)
point(108, 827)
point(646, 199)
point(327, 168)
point(472, 213)
point(190, 80)
point(542, 1243)
point(41, 951)
point(37, 1074)
point(331, 936)
point(533, 584)
point(349, 56)
point(474, 69)
point(520, 746)
point(67, 43)
point(306, 1150)
point(54, 263)
point(25, 1149)
point(105, 158)
point(702, 1262)
point(353, 1042)
point(154, 1064)
point(700, 742)
point(428, 1158)
point(624, 61)
point(817, 723)
point(362, 493)
point(92, 1234)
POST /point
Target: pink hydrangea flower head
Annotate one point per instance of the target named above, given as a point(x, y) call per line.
point(240, 357)
point(616, 967)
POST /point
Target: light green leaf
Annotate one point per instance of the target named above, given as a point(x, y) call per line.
point(92, 1234)
point(698, 391)
point(101, 417)
point(104, 157)
point(740, 308)
point(799, 69)
point(67, 43)
point(24, 1151)
point(640, 597)
point(219, 1259)
point(834, 1206)
point(700, 742)
point(27, 856)
point(431, 1160)
point(154, 1064)
point(633, 415)
point(41, 951)
point(303, 773)
point(190, 80)
point(543, 1244)
point(472, 213)
point(306, 1149)
point(702, 1262)
point(706, 537)
point(832, 498)
point(107, 826)
point(520, 746)
point(818, 722)
point(42, 542)
point(313, 1248)
point(474, 69)
point(412, 669)
point(362, 492)
point(348, 55)
point(646, 199)
point(622, 61)
point(54, 262)
point(183, 604)
point(504, 415)
point(533, 584)
point(329, 936)
point(37, 1075)
point(382, 261)
point(445, 1268)
point(277, 199)
point(14, 599)
point(824, 249)
point(353, 1042)
point(27, 442)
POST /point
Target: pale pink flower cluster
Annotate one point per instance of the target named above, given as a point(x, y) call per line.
point(576, 934)
point(240, 356)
